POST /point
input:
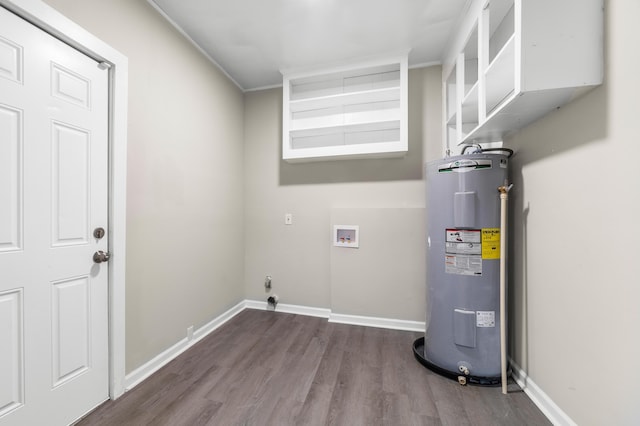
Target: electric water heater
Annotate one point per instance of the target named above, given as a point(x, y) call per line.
point(462, 335)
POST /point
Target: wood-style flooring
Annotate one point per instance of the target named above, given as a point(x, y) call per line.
point(271, 368)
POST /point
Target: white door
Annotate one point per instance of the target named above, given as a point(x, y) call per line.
point(53, 194)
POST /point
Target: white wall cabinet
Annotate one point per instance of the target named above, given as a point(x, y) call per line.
point(515, 60)
point(350, 112)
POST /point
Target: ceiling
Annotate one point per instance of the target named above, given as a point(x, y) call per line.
point(253, 41)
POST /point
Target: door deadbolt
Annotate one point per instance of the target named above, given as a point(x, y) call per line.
point(98, 233)
point(101, 256)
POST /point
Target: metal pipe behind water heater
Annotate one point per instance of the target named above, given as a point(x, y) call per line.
point(504, 198)
point(464, 313)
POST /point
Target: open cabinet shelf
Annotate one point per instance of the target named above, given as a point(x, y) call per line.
point(514, 61)
point(350, 112)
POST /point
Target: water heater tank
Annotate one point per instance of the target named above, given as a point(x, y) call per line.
point(462, 335)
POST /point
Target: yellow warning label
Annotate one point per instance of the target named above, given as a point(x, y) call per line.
point(490, 243)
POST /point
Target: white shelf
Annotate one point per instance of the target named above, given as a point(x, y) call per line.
point(500, 76)
point(451, 97)
point(339, 152)
point(327, 118)
point(469, 127)
point(501, 19)
point(532, 57)
point(346, 128)
point(325, 83)
point(348, 134)
point(451, 121)
point(470, 105)
point(353, 98)
point(362, 107)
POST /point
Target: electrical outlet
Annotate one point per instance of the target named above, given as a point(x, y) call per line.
point(288, 219)
point(190, 333)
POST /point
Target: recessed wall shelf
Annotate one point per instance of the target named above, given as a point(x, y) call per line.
point(349, 112)
point(514, 61)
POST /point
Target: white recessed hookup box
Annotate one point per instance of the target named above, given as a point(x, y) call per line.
point(346, 236)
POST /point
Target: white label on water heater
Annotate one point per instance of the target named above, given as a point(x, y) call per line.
point(485, 318)
point(462, 264)
point(463, 236)
point(463, 252)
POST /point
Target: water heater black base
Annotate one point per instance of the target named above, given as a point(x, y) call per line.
point(418, 352)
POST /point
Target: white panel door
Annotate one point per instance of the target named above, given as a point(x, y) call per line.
point(53, 194)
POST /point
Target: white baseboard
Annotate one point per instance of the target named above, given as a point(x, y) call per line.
point(139, 374)
point(541, 399)
point(394, 324)
point(290, 309)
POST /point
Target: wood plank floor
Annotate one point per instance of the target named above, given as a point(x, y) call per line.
point(270, 368)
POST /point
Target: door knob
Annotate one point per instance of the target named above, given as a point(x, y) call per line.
point(101, 256)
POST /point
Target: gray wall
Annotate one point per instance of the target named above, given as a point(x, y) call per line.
point(385, 276)
point(192, 253)
point(576, 210)
point(299, 256)
point(185, 179)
